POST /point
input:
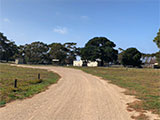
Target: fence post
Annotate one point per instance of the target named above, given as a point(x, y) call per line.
point(15, 83)
point(39, 76)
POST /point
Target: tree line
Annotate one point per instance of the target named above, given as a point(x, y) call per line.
point(98, 49)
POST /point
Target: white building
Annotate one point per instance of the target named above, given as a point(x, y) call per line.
point(92, 64)
point(19, 61)
point(89, 64)
point(78, 63)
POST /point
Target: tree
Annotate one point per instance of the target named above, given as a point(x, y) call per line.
point(158, 57)
point(120, 55)
point(35, 53)
point(157, 39)
point(20, 53)
point(99, 48)
point(58, 51)
point(131, 57)
point(71, 52)
point(7, 48)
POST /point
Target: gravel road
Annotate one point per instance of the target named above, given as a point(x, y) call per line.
point(76, 96)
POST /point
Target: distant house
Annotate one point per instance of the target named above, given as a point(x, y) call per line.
point(78, 63)
point(92, 64)
point(19, 61)
point(149, 62)
point(82, 63)
point(55, 61)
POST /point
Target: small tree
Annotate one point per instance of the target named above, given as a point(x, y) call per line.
point(131, 57)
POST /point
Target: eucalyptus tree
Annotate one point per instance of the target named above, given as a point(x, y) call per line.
point(99, 48)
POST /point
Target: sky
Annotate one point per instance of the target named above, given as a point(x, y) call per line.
point(128, 23)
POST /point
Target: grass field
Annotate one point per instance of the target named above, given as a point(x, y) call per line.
point(143, 83)
point(28, 82)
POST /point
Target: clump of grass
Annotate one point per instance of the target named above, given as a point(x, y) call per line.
point(2, 103)
point(140, 117)
point(143, 83)
point(136, 105)
point(36, 81)
point(28, 83)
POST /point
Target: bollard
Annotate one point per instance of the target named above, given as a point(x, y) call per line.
point(38, 75)
point(15, 83)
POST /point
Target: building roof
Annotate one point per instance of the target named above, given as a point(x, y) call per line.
point(149, 60)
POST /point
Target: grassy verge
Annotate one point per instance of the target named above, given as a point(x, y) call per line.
point(143, 83)
point(28, 82)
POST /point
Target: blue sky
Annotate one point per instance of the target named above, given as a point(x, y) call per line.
point(128, 23)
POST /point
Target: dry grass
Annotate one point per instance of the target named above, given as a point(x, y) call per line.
point(140, 117)
point(28, 82)
point(143, 83)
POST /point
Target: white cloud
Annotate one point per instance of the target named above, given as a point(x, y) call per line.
point(85, 17)
point(60, 30)
point(6, 20)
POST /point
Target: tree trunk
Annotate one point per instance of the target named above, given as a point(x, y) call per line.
point(102, 63)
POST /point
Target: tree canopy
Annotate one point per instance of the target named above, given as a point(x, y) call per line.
point(58, 51)
point(71, 52)
point(66, 53)
point(96, 49)
point(7, 48)
point(131, 57)
point(158, 57)
point(99, 48)
point(157, 39)
point(35, 53)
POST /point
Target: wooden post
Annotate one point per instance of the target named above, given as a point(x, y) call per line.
point(15, 83)
point(39, 76)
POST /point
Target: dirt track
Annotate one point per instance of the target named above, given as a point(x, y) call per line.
point(77, 96)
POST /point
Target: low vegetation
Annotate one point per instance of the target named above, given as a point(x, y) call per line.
point(143, 83)
point(28, 83)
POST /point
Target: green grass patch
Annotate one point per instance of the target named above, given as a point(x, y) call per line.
point(28, 83)
point(143, 83)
